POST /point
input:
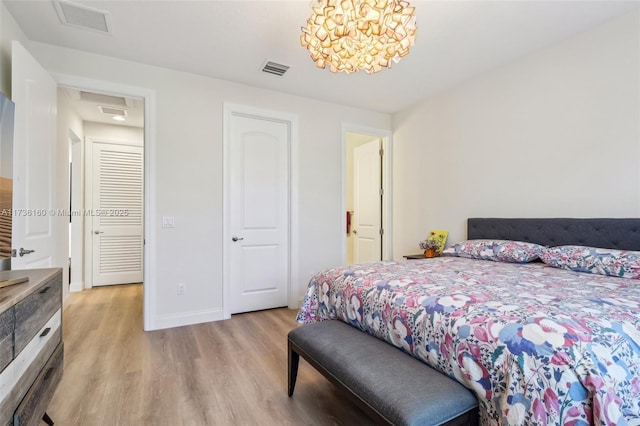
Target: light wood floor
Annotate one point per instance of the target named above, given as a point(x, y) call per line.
point(230, 372)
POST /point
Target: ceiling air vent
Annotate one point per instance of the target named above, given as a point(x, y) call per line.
point(112, 111)
point(81, 16)
point(103, 99)
point(275, 68)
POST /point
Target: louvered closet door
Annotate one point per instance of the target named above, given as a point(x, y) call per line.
point(117, 221)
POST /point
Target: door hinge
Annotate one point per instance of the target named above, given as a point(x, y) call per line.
point(381, 192)
point(381, 231)
point(381, 152)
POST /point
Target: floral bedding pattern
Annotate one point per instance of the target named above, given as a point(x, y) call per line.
point(498, 250)
point(537, 345)
point(615, 263)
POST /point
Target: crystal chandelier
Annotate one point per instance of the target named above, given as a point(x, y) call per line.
point(352, 35)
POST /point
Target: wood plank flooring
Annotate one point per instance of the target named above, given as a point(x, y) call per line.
point(230, 372)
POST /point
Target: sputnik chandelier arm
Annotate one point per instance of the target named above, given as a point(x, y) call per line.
point(353, 35)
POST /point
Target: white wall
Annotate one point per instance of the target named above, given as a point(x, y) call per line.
point(556, 134)
point(111, 132)
point(188, 167)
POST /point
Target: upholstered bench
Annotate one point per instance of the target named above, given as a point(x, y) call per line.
point(391, 386)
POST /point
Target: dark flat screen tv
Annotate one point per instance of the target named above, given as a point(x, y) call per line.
point(7, 114)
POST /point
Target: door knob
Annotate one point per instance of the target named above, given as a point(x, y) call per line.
point(355, 231)
point(234, 239)
point(98, 232)
point(22, 251)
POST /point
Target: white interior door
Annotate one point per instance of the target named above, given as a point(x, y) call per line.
point(117, 207)
point(259, 213)
point(367, 202)
point(35, 157)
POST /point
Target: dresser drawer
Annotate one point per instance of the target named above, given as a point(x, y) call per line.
point(34, 404)
point(26, 367)
point(35, 354)
point(6, 337)
point(33, 312)
point(7, 403)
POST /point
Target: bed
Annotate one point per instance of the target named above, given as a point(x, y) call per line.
point(536, 344)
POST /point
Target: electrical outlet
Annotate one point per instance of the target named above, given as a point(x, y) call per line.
point(181, 289)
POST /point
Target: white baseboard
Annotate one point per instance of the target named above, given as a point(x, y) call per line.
point(296, 303)
point(187, 318)
point(76, 287)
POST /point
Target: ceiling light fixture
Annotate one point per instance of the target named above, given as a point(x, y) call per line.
point(118, 118)
point(353, 35)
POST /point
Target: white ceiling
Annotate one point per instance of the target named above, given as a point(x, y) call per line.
point(231, 40)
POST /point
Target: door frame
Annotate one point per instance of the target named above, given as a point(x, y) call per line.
point(150, 217)
point(230, 109)
point(77, 222)
point(387, 195)
point(88, 201)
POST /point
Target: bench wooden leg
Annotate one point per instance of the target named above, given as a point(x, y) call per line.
point(293, 360)
point(47, 419)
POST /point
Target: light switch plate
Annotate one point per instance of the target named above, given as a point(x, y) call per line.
point(168, 222)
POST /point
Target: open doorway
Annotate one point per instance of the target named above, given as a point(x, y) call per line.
point(367, 195)
point(106, 187)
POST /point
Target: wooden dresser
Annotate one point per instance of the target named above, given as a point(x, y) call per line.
point(31, 350)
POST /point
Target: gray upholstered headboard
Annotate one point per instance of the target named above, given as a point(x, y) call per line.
point(623, 234)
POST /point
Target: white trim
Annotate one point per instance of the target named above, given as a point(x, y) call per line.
point(100, 139)
point(77, 224)
point(294, 204)
point(387, 196)
point(149, 96)
point(88, 223)
point(188, 318)
point(76, 287)
point(292, 120)
point(387, 185)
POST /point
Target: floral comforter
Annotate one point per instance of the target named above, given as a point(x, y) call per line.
point(537, 345)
